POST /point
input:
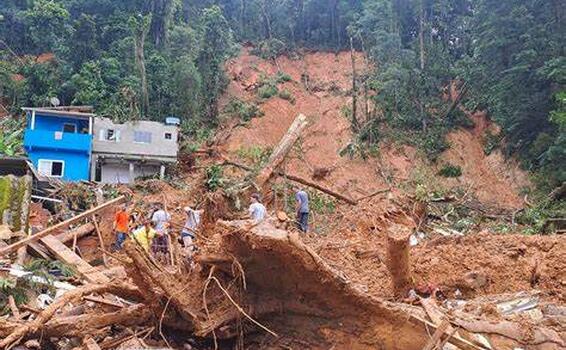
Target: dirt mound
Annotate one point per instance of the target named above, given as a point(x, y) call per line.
point(320, 85)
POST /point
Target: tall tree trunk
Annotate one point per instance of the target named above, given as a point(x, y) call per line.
point(422, 60)
point(355, 126)
point(266, 18)
point(242, 17)
point(421, 35)
point(139, 41)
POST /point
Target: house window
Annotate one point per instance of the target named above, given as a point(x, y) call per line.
point(52, 168)
point(110, 135)
point(168, 136)
point(70, 127)
point(142, 136)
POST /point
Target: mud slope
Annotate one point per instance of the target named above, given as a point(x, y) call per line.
point(490, 178)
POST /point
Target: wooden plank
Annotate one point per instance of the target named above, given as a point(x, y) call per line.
point(454, 339)
point(39, 250)
point(440, 331)
point(282, 149)
point(90, 344)
point(99, 234)
point(62, 225)
point(66, 255)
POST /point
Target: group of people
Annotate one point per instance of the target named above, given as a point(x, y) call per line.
point(153, 232)
point(257, 211)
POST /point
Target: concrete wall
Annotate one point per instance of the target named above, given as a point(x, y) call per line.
point(125, 144)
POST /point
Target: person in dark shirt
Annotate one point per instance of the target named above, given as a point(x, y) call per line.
point(302, 208)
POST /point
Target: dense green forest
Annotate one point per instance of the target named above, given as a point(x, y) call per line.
point(154, 58)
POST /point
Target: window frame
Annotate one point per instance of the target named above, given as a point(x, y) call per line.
point(143, 132)
point(51, 161)
point(68, 124)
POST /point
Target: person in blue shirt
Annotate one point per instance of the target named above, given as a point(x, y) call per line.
point(302, 208)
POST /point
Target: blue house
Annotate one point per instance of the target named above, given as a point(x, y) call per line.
point(59, 142)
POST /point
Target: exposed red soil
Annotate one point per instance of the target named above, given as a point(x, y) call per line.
point(493, 179)
point(510, 262)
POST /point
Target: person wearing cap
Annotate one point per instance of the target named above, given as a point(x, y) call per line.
point(188, 234)
point(256, 210)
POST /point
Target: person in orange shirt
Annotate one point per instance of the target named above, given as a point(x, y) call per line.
point(121, 221)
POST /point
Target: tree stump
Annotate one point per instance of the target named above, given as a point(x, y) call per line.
point(398, 258)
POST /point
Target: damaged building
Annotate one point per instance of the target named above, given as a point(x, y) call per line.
point(72, 144)
point(124, 152)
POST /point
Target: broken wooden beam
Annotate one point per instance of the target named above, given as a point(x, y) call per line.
point(66, 255)
point(79, 232)
point(437, 336)
point(282, 149)
point(300, 180)
point(62, 225)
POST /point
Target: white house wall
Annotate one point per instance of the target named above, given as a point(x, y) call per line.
point(158, 147)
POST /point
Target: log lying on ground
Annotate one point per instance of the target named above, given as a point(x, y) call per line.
point(282, 149)
point(117, 288)
point(300, 180)
point(59, 226)
point(80, 232)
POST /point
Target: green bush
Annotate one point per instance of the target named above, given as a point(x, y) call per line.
point(244, 110)
point(282, 77)
point(267, 91)
point(491, 142)
point(449, 170)
point(255, 154)
point(214, 178)
point(287, 95)
point(270, 48)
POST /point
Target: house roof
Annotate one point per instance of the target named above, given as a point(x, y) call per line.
point(59, 112)
point(17, 166)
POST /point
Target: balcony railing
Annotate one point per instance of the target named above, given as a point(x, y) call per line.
point(57, 140)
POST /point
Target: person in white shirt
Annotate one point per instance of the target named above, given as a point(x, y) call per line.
point(190, 228)
point(160, 220)
point(257, 210)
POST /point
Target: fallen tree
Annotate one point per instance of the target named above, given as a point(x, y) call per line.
point(282, 149)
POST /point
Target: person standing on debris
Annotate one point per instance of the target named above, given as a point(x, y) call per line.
point(188, 234)
point(160, 219)
point(302, 209)
point(120, 227)
point(257, 210)
point(144, 235)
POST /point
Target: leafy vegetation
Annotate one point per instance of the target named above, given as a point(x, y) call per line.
point(214, 178)
point(242, 109)
point(450, 170)
point(255, 155)
point(151, 59)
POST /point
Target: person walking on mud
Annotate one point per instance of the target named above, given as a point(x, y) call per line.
point(189, 232)
point(256, 210)
point(160, 220)
point(120, 227)
point(302, 209)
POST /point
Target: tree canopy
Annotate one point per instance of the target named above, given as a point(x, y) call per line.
point(154, 58)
